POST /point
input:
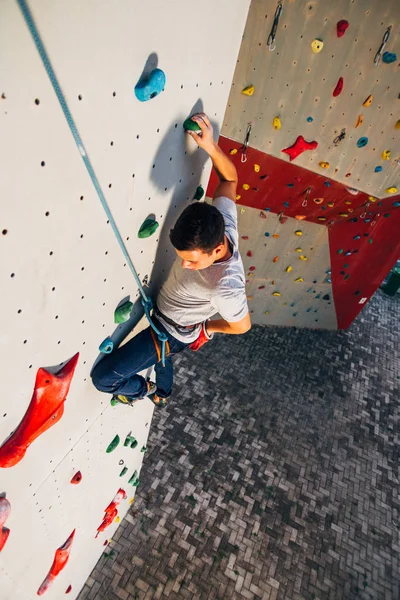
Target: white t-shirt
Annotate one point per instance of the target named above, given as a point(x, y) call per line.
point(189, 297)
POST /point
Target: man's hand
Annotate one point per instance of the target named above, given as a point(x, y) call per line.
point(203, 338)
point(206, 139)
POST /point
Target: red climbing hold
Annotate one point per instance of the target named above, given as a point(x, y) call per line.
point(111, 511)
point(5, 509)
point(45, 410)
point(69, 588)
point(252, 269)
point(60, 560)
point(245, 237)
point(249, 253)
point(299, 147)
point(77, 478)
point(341, 27)
point(339, 87)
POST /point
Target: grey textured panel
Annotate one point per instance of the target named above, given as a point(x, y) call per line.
point(295, 83)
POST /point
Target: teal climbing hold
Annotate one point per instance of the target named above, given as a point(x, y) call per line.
point(106, 346)
point(326, 297)
point(199, 193)
point(152, 85)
point(370, 241)
point(340, 251)
point(356, 237)
point(363, 141)
point(147, 229)
point(310, 119)
point(378, 169)
point(267, 234)
point(389, 57)
point(396, 203)
point(345, 266)
point(123, 312)
point(113, 444)
point(190, 125)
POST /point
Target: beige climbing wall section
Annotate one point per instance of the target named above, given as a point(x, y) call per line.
point(274, 262)
point(294, 83)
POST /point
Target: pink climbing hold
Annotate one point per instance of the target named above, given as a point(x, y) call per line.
point(299, 147)
point(61, 557)
point(339, 87)
point(341, 27)
point(5, 510)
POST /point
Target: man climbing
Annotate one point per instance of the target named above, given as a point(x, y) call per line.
point(207, 278)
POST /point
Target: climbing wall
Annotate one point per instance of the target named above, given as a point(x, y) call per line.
point(313, 127)
point(62, 271)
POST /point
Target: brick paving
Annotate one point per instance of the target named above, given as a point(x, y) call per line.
point(272, 473)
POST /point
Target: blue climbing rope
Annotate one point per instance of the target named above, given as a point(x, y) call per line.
point(146, 302)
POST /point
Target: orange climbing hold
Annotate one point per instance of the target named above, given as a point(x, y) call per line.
point(318, 200)
point(360, 121)
point(300, 217)
point(276, 258)
point(60, 560)
point(368, 101)
point(45, 410)
point(275, 235)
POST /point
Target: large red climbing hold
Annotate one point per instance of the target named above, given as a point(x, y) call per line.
point(5, 510)
point(111, 511)
point(45, 410)
point(338, 88)
point(341, 27)
point(60, 560)
point(299, 147)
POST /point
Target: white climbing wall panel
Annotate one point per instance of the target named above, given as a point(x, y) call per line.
point(62, 273)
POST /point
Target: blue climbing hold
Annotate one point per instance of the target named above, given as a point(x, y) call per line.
point(310, 119)
point(327, 183)
point(315, 281)
point(389, 57)
point(378, 169)
point(396, 203)
point(149, 87)
point(326, 297)
point(267, 209)
point(323, 207)
point(348, 253)
point(328, 280)
point(267, 234)
point(290, 184)
point(308, 310)
point(318, 297)
point(106, 346)
point(286, 204)
point(367, 220)
point(363, 141)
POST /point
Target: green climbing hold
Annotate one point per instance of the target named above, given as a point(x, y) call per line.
point(114, 401)
point(124, 470)
point(123, 312)
point(130, 441)
point(199, 193)
point(370, 241)
point(340, 251)
point(132, 478)
point(144, 449)
point(190, 125)
point(113, 444)
point(148, 228)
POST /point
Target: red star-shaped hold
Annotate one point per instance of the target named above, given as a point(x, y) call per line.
point(299, 147)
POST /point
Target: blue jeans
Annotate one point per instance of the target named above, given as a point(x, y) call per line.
point(117, 372)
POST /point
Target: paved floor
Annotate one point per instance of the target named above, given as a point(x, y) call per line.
point(273, 473)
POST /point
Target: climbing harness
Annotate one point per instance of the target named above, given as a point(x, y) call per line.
point(271, 37)
point(307, 193)
point(385, 39)
point(146, 302)
point(339, 138)
point(245, 144)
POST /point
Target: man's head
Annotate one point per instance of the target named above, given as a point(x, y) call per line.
point(198, 236)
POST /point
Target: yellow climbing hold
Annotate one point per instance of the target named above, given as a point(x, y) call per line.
point(275, 235)
point(368, 101)
point(331, 204)
point(298, 232)
point(391, 190)
point(343, 214)
point(267, 312)
point(397, 126)
point(299, 279)
point(276, 293)
point(348, 202)
point(131, 500)
point(257, 168)
point(288, 269)
point(248, 91)
point(249, 297)
point(324, 165)
point(285, 304)
point(238, 196)
point(321, 218)
point(299, 250)
point(317, 45)
point(250, 275)
point(360, 121)
point(276, 123)
point(372, 199)
point(386, 154)
point(233, 151)
point(246, 186)
point(303, 258)
point(242, 211)
point(117, 519)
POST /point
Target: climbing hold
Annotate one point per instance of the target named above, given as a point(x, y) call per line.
point(264, 177)
point(242, 211)
point(276, 293)
point(397, 125)
point(246, 186)
point(69, 588)
point(263, 215)
point(249, 253)
point(317, 45)
point(298, 232)
point(341, 27)
point(111, 511)
point(290, 184)
point(378, 169)
point(299, 280)
point(276, 123)
point(133, 477)
point(298, 179)
point(248, 91)
point(77, 478)
point(368, 101)
point(318, 200)
point(233, 151)
point(299, 250)
point(360, 121)
point(144, 449)
point(300, 217)
point(326, 297)
point(252, 269)
point(276, 258)
point(5, 511)
point(389, 57)
point(331, 204)
point(61, 557)
point(275, 235)
point(363, 141)
point(324, 165)
point(340, 251)
point(386, 215)
point(300, 146)
point(338, 87)
point(190, 125)
point(370, 241)
point(327, 183)
point(267, 234)
point(288, 269)
point(391, 190)
point(106, 346)
point(238, 196)
point(245, 237)
point(321, 218)
point(45, 409)
point(356, 237)
point(386, 154)
point(150, 86)
point(303, 257)
point(147, 229)
point(123, 312)
point(199, 193)
point(113, 444)
point(343, 214)
point(249, 297)
point(396, 204)
point(282, 219)
point(257, 168)
point(309, 119)
point(130, 441)
point(266, 312)
point(123, 472)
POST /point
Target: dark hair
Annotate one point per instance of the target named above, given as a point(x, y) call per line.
point(199, 227)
